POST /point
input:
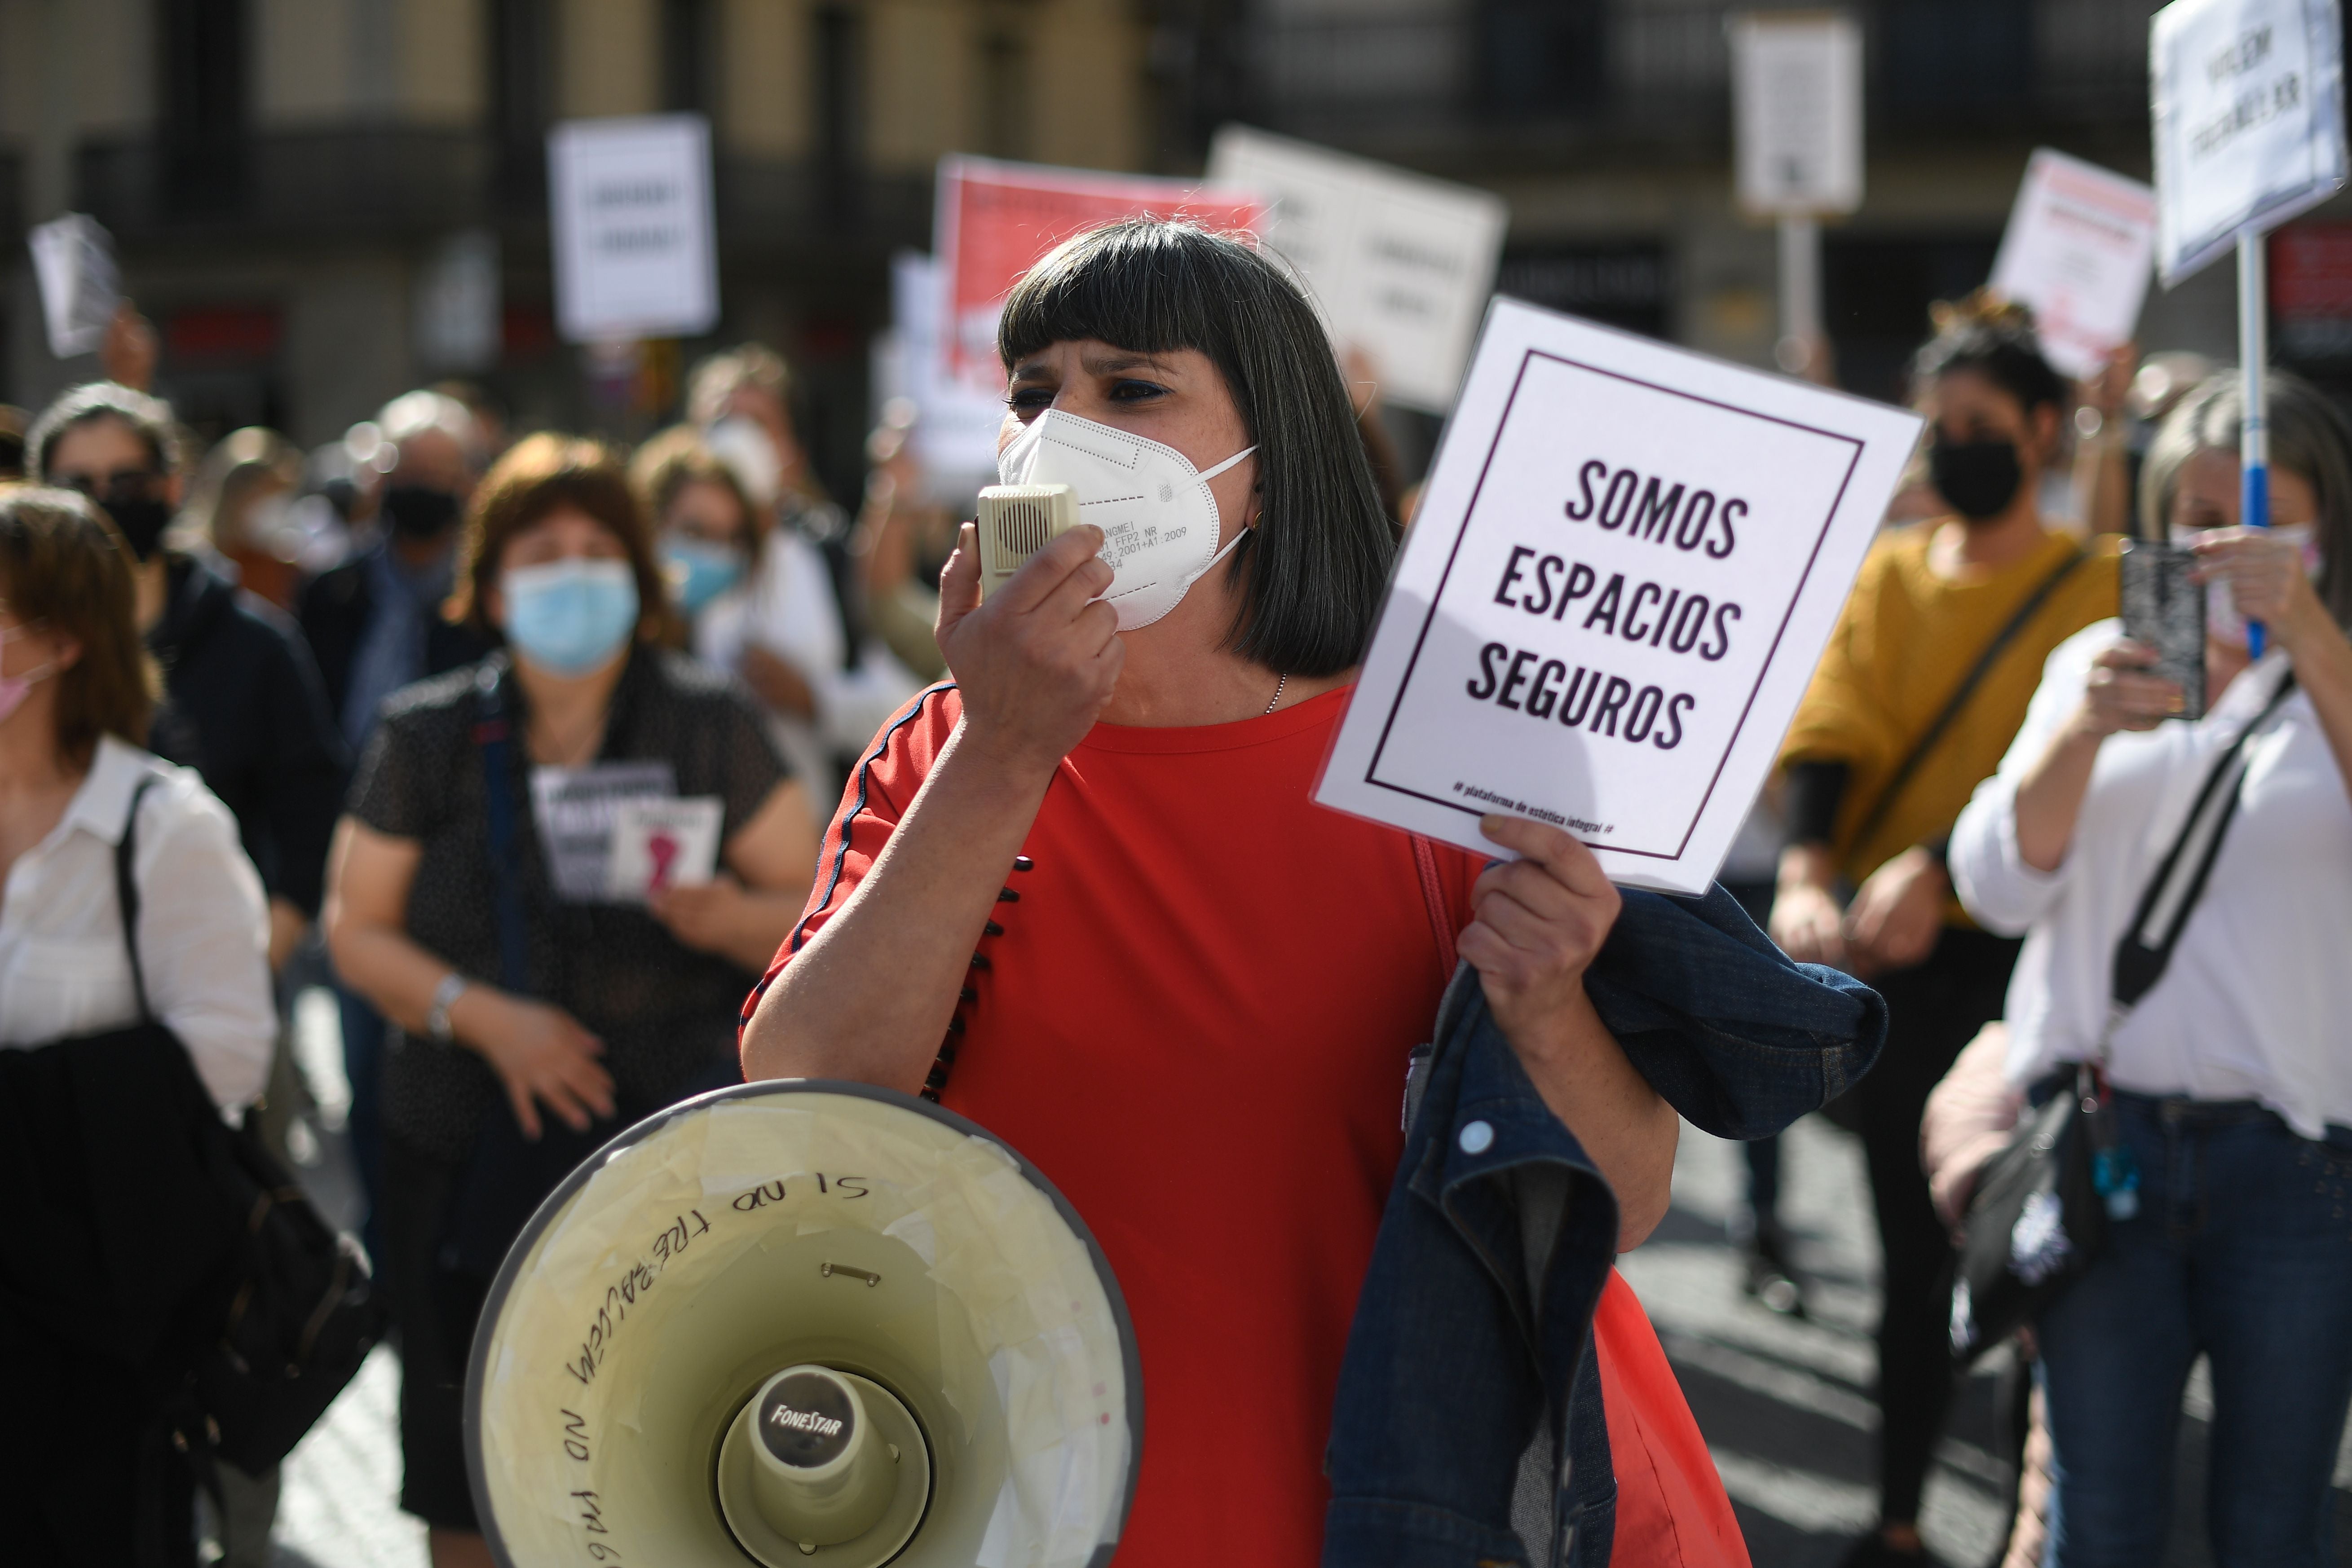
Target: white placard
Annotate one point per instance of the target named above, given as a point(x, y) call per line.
point(1796, 108)
point(955, 435)
point(2078, 250)
point(1627, 560)
point(73, 259)
point(634, 255)
point(2248, 108)
point(660, 844)
point(1402, 264)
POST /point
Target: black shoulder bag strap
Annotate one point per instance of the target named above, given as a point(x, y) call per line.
point(126, 894)
point(1943, 721)
point(494, 737)
point(2145, 949)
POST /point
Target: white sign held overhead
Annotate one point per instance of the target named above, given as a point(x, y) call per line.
point(2078, 249)
point(634, 255)
point(1796, 102)
point(1402, 264)
point(73, 260)
point(2248, 121)
point(1627, 560)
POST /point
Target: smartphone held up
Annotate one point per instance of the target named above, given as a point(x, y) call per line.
point(2164, 608)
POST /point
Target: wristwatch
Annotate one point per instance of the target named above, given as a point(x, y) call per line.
point(444, 997)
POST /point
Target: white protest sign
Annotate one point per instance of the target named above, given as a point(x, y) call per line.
point(2078, 249)
point(634, 255)
point(955, 435)
point(1402, 264)
point(73, 259)
point(2248, 121)
point(662, 845)
point(1796, 106)
point(1627, 560)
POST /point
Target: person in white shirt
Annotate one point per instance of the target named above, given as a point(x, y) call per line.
point(77, 687)
point(2233, 1076)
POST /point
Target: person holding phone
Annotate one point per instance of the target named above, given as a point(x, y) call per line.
point(2232, 1086)
point(1925, 677)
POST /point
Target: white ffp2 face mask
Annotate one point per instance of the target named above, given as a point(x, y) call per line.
point(1158, 517)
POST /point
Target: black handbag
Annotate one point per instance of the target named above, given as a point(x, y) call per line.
point(303, 1312)
point(2038, 1216)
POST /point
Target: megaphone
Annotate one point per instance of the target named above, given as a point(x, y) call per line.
point(804, 1324)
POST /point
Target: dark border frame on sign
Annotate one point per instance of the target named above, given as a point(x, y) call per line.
point(1404, 682)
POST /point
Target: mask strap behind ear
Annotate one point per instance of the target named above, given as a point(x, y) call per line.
point(1213, 472)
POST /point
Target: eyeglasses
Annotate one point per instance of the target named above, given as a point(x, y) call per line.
point(123, 484)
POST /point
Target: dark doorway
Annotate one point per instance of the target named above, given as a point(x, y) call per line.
point(1874, 296)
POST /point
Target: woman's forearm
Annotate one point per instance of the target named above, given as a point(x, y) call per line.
point(869, 997)
point(1626, 1128)
point(2050, 796)
point(2323, 668)
point(384, 965)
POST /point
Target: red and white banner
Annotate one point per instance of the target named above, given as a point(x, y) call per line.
point(997, 220)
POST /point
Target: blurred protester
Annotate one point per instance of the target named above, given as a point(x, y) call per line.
point(2232, 1088)
point(242, 503)
point(1923, 685)
point(900, 532)
point(1768, 1271)
point(804, 606)
point(533, 1013)
point(245, 708)
point(709, 536)
point(376, 623)
point(1120, 819)
point(491, 435)
point(88, 1472)
point(13, 421)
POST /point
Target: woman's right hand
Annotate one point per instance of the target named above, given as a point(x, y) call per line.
point(2120, 695)
point(541, 1055)
point(1806, 924)
point(1039, 660)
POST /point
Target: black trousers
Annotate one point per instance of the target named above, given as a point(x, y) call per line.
point(1933, 1011)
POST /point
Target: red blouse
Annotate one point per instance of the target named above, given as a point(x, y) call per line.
point(1196, 1022)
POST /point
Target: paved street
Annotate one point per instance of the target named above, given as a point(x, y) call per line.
point(1785, 1404)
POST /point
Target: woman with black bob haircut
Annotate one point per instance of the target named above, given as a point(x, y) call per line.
point(1079, 894)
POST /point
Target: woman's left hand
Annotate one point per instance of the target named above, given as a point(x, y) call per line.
point(1540, 919)
point(704, 917)
point(2267, 577)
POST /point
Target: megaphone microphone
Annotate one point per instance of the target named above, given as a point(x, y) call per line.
point(804, 1324)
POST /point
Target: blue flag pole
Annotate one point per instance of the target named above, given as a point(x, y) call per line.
point(2254, 436)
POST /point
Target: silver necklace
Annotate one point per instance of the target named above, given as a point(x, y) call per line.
point(1277, 693)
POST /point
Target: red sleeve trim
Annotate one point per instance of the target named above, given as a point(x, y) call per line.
point(854, 802)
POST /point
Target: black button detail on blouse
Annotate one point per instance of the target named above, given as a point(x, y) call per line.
point(955, 1026)
point(978, 962)
point(991, 929)
point(1006, 895)
point(1023, 862)
point(938, 1080)
point(967, 995)
point(947, 1055)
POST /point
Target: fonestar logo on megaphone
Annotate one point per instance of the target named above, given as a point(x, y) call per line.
point(803, 1323)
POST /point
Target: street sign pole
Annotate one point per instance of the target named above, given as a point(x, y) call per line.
point(2254, 434)
point(1800, 294)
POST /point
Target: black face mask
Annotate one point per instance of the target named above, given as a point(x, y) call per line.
point(143, 519)
point(419, 512)
point(1980, 478)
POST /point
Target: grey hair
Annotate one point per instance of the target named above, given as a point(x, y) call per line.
point(2310, 438)
point(411, 414)
point(149, 418)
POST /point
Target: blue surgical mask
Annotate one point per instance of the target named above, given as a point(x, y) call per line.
point(569, 616)
point(700, 569)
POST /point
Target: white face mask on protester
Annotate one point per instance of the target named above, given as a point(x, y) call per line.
point(2223, 622)
point(14, 689)
point(1158, 516)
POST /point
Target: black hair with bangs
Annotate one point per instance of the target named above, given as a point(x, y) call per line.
point(1312, 575)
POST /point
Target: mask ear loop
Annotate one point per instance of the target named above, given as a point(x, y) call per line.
point(1239, 534)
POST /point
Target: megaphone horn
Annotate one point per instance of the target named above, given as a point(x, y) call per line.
point(805, 1323)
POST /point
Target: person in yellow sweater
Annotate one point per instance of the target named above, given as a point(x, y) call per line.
point(1923, 686)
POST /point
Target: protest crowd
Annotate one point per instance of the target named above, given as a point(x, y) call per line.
point(557, 778)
